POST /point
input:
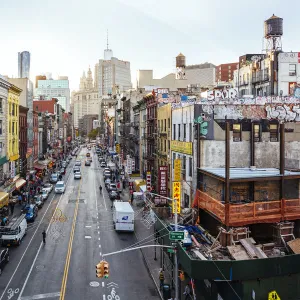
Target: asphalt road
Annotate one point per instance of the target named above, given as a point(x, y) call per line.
point(64, 268)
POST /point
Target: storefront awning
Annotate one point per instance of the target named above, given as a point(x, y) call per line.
point(4, 198)
point(20, 182)
point(39, 166)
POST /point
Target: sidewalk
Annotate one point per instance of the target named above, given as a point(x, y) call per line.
point(145, 234)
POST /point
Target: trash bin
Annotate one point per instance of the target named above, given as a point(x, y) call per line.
point(166, 291)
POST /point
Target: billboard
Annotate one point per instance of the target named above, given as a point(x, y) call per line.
point(204, 117)
point(177, 197)
point(163, 181)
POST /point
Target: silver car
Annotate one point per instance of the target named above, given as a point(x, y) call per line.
point(45, 194)
point(77, 175)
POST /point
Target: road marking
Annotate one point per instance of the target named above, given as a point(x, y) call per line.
point(98, 232)
point(98, 227)
point(36, 256)
point(88, 226)
point(104, 297)
point(100, 253)
point(102, 284)
point(68, 259)
point(87, 237)
point(99, 239)
point(41, 296)
point(99, 246)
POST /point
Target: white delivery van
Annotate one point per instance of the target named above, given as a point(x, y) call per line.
point(123, 216)
point(14, 231)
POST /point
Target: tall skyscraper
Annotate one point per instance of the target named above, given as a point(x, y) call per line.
point(24, 64)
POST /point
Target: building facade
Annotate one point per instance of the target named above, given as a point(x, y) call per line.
point(224, 72)
point(114, 76)
point(13, 129)
point(4, 88)
point(59, 89)
point(86, 101)
point(23, 140)
point(24, 64)
point(164, 120)
point(35, 148)
point(86, 124)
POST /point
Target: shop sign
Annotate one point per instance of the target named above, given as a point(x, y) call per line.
point(12, 169)
point(148, 181)
point(177, 169)
point(10, 188)
point(118, 148)
point(163, 181)
point(133, 165)
point(182, 147)
point(129, 166)
point(177, 197)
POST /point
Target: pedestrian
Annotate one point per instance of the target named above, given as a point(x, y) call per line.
point(187, 292)
point(12, 208)
point(161, 278)
point(44, 236)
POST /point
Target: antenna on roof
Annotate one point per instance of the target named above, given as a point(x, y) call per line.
point(107, 40)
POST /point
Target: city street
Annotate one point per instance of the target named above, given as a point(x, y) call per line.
point(77, 236)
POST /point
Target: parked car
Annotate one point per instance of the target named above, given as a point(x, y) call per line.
point(31, 212)
point(4, 259)
point(62, 171)
point(103, 164)
point(77, 175)
point(45, 194)
point(64, 164)
point(76, 169)
point(87, 163)
point(48, 187)
point(38, 199)
point(78, 163)
point(112, 187)
point(107, 169)
point(113, 195)
point(107, 180)
point(54, 178)
point(60, 187)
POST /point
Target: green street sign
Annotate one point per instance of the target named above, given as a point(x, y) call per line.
point(170, 250)
point(176, 235)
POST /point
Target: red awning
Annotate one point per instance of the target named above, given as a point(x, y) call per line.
point(39, 166)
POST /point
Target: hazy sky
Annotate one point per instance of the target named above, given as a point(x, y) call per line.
point(66, 36)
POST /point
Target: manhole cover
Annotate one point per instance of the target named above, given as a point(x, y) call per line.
point(40, 267)
point(94, 284)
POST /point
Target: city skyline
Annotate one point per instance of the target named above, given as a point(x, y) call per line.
point(164, 33)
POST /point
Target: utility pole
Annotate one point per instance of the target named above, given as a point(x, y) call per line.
point(175, 252)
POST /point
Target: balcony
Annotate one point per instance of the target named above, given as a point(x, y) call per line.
point(163, 133)
point(150, 137)
point(250, 213)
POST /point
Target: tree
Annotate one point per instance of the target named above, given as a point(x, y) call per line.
point(93, 133)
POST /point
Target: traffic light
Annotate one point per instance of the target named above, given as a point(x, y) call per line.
point(105, 269)
point(99, 270)
point(181, 276)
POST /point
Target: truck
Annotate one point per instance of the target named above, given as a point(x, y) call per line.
point(123, 216)
point(14, 231)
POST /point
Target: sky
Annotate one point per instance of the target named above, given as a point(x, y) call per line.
point(65, 37)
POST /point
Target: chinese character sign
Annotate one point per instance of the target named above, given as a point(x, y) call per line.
point(163, 181)
point(177, 197)
point(177, 170)
point(148, 181)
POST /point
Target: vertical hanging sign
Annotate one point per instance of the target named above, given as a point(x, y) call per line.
point(177, 197)
point(148, 181)
point(177, 170)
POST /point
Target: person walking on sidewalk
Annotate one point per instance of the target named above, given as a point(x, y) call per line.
point(161, 278)
point(187, 292)
point(44, 236)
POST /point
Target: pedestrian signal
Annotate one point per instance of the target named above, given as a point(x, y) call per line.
point(105, 269)
point(181, 276)
point(100, 269)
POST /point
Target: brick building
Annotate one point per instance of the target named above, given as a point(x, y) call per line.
point(35, 135)
point(224, 72)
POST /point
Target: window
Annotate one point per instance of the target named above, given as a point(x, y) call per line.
point(174, 157)
point(190, 132)
point(178, 131)
point(183, 167)
point(165, 145)
point(13, 127)
point(1, 127)
point(1, 108)
point(184, 131)
point(13, 110)
point(237, 132)
point(274, 133)
point(165, 125)
point(257, 133)
point(190, 166)
point(169, 123)
point(292, 70)
point(174, 132)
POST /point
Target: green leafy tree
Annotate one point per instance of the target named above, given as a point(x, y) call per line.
point(93, 133)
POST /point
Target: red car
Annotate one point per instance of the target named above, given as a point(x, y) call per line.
point(62, 171)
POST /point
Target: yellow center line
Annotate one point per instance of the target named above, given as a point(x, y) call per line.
point(68, 258)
